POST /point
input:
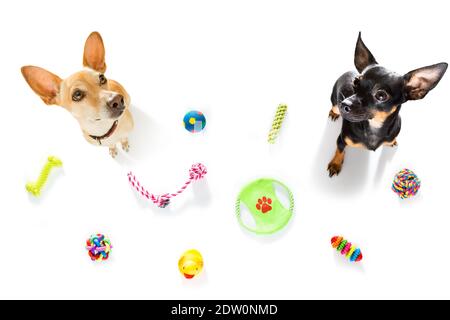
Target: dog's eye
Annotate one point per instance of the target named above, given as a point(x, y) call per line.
point(356, 82)
point(102, 79)
point(381, 95)
point(77, 95)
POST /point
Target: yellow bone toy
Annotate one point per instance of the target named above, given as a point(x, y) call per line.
point(35, 188)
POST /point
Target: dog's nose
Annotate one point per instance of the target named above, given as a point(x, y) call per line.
point(117, 102)
point(346, 107)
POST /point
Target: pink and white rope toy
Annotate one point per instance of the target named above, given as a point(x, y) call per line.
point(197, 172)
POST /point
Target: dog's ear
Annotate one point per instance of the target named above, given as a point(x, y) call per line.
point(94, 53)
point(421, 81)
point(44, 83)
point(363, 56)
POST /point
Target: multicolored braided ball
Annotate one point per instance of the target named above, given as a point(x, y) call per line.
point(346, 248)
point(406, 184)
point(99, 247)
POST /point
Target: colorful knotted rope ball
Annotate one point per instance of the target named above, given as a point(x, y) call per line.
point(99, 247)
point(347, 249)
point(406, 184)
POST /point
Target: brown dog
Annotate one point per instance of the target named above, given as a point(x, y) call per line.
point(100, 105)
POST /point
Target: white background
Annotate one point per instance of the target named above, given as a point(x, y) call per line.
point(235, 61)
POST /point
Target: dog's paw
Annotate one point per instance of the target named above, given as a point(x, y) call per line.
point(125, 146)
point(334, 168)
point(333, 115)
point(391, 144)
point(113, 152)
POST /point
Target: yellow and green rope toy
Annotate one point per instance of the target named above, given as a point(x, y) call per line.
point(277, 122)
point(35, 188)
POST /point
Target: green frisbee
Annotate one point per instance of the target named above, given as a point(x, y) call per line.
point(263, 204)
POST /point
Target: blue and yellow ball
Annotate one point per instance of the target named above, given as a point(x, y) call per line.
point(194, 121)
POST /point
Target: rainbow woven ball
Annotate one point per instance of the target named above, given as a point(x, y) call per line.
point(194, 121)
point(406, 184)
point(99, 247)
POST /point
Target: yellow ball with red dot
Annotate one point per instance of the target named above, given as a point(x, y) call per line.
point(191, 264)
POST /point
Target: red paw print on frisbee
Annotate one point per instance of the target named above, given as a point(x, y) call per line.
point(264, 205)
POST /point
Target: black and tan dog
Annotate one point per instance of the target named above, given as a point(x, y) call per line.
point(370, 101)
